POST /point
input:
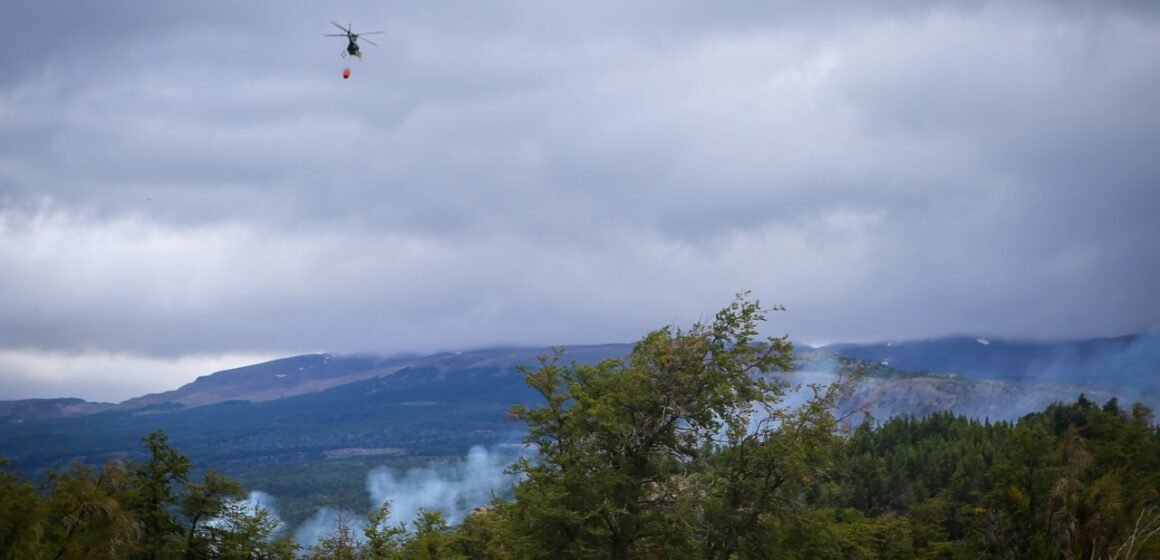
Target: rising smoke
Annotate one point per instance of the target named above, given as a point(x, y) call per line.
point(457, 487)
point(1130, 369)
point(260, 500)
point(325, 522)
point(255, 503)
point(453, 487)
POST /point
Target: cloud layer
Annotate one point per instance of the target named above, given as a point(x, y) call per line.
point(184, 185)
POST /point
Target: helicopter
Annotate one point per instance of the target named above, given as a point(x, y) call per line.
point(352, 39)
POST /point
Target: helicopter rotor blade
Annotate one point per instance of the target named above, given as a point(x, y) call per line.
point(345, 29)
point(365, 40)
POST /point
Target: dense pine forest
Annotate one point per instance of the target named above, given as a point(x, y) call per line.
point(685, 449)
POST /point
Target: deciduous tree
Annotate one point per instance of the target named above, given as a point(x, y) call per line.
point(635, 454)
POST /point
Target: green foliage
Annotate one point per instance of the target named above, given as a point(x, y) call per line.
point(204, 501)
point(88, 514)
point(22, 513)
point(489, 534)
point(135, 510)
point(155, 496)
point(684, 449)
point(680, 449)
point(383, 541)
point(1074, 481)
point(342, 544)
point(241, 533)
point(432, 540)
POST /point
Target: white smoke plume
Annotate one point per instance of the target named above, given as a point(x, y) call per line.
point(261, 500)
point(1131, 372)
point(253, 503)
point(452, 487)
point(325, 523)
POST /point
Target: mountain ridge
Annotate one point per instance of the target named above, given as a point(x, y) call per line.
point(356, 412)
point(1128, 364)
point(299, 375)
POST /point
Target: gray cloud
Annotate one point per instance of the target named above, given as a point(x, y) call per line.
point(190, 183)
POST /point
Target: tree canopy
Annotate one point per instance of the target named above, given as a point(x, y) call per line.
point(686, 448)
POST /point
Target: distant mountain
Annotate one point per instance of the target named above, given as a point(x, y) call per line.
point(29, 409)
point(883, 397)
point(301, 409)
point(302, 375)
point(278, 379)
point(312, 407)
point(306, 407)
point(306, 426)
point(1125, 365)
point(295, 376)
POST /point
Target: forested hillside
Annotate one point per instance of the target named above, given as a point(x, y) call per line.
point(1124, 365)
point(686, 448)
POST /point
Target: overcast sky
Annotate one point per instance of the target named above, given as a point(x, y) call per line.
point(188, 187)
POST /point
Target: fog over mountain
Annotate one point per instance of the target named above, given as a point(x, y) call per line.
point(185, 188)
point(1127, 366)
point(330, 436)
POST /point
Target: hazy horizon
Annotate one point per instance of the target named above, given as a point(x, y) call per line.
point(188, 188)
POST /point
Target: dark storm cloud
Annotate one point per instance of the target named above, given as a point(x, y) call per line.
point(202, 178)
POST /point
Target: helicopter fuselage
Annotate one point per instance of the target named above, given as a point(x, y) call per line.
point(352, 48)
